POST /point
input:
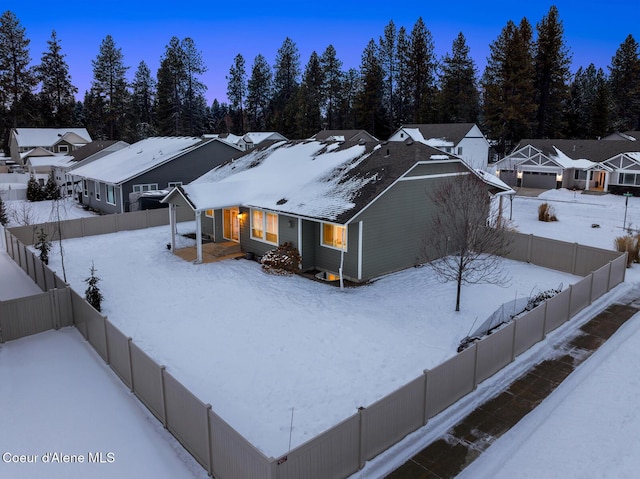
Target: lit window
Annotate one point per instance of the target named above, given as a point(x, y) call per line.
point(209, 213)
point(264, 226)
point(334, 236)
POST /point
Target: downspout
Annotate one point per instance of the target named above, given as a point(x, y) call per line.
point(172, 224)
point(340, 270)
point(198, 237)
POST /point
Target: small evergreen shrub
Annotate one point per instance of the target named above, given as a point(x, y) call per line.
point(285, 259)
point(34, 190)
point(43, 246)
point(92, 294)
point(51, 191)
point(546, 213)
point(4, 217)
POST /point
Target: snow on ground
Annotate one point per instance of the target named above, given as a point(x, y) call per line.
point(302, 344)
point(22, 212)
point(58, 397)
point(256, 346)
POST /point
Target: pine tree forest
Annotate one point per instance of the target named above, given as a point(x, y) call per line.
point(528, 89)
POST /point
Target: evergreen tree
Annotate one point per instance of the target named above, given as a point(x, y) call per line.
point(624, 80)
point(56, 91)
point(309, 115)
point(459, 99)
point(142, 100)
point(402, 103)
point(588, 111)
point(218, 114)
point(4, 217)
point(237, 92)
point(43, 245)
point(110, 84)
point(332, 77)
point(34, 190)
point(551, 65)
point(508, 102)
point(51, 190)
point(369, 102)
point(285, 85)
point(388, 46)
point(348, 94)
point(421, 69)
point(16, 77)
point(170, 93)
point(94, 115)
point(259, 94)
point(194, 102)
point(92, 294)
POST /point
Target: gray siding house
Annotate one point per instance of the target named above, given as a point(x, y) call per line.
point(356, 210)
point(113, 183)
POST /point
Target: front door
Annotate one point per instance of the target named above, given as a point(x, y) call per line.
point(231, 225)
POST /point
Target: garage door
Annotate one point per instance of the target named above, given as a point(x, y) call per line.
point(536, 179)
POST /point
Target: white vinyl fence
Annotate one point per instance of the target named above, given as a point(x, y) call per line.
point(343, 449)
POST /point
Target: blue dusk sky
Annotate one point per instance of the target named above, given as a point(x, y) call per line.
point(142, 28)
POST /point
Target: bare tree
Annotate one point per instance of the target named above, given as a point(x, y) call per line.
point(461, 245)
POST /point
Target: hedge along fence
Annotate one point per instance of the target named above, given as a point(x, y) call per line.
point(96, 225)
point(344, 448)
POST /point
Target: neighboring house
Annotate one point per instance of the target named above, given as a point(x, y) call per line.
point(83, 156)
point(113, 183)
point(550, 164)
point(627, 136)
point(249, 140)
point(54, 140)
point(41, 167)
point(344, 135)
point(624, 176)
point(357, 208)
point(461, 139)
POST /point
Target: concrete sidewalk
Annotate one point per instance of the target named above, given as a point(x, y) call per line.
point(463, 443)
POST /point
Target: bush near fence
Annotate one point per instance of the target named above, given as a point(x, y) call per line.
point(343, 449)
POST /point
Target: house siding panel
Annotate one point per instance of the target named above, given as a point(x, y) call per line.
point(395, 227)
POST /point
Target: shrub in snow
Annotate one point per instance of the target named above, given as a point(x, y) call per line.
point(541, 297)
point(92, 294)
point(34, 191)
point(546, 213)
point(43, 246)
point(4, 218)
point(51, 191)
point(628, 244)
point(285, 259)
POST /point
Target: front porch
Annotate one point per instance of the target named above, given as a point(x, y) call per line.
point(211, 252)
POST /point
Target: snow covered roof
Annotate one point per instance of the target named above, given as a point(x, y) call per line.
point(328, 181)
point(438, 134)
point(592, 150)
point(57, 160)
point(493, 180)
point(257, 137)
point(135, 159)
point(26, 137)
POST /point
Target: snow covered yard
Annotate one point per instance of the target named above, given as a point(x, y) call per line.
point(261, 348)
point(22, 212)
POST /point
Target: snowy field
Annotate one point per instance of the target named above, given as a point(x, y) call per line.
point(21, 213)
point(256, 346)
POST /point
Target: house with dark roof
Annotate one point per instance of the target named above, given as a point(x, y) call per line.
point(26, 142)
point(464, 140)
point(114, 183)
point(549, 164)
point(355, 210)
point(344, 135)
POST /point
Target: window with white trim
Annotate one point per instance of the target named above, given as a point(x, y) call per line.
point(143, 188)
point(173, 184)
point(63, 148)
point(85, 188)
point(334, 236)
point(264, 226)
point(111, 194)
point(96, 186)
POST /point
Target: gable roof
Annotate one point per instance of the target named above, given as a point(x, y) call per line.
point(344, 135)
point(122, 165)
point(257, 137)
point(27, 137)
point(328, 181)
point(430, 133)
point(94, 147)
point(593, 150)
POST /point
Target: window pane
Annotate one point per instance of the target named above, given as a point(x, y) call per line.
point(256, 224)
point(272, 228)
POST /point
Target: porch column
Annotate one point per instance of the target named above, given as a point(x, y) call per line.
point(198, 236)
point(586, 180)
point(606, 181)
point(172, 225)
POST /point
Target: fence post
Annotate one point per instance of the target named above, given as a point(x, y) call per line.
point(361, 442)
point(609, 275)
point(544, 321)
point(575, 258)
point(209, 441)
point(529, 248)
point(570, 298)
point(475, 366)
point(591, 289)
point(164, 396)
point(513, 340)
point(425, 405)
point(129, 339)
point(106, 339)
point(55, 308)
